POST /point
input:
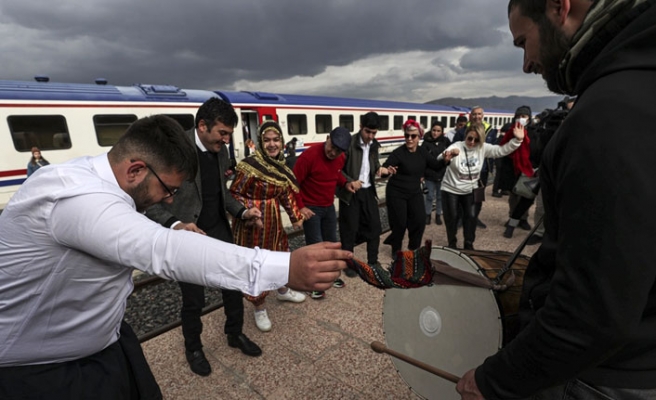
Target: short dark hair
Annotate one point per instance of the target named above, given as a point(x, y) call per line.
point(370, 120)
point(461, 118)
point(437, 123)
point(533, 9)
point(161, 142)
point(216, 110)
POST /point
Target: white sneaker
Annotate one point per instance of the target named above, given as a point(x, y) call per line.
point(291, 295)
point(262, 321)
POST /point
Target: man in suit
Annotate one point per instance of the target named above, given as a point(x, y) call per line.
point(201, 207)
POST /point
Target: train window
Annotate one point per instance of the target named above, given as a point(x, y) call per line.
point(109, 128)
point(444, 120)
point(47, 132)
point(412, 117)
point(186, 120)
point(452, 121)
point(398, 122)
point(324, 123)
point(433, 120)
point(267, 117)
point(346, 121)
point(297, 124)
point(383, 121)
point(424, 122)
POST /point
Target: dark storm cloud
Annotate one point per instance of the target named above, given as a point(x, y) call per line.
point(211, 44)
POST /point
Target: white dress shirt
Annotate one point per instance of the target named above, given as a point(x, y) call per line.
point(69, 240)
point(365, 169)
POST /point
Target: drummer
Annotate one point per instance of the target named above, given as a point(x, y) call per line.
point(591, 330)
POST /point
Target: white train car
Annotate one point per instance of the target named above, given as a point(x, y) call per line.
point(68, 120)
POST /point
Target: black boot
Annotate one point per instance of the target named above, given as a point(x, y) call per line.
point(508, 233)
point(469, 246)
point(428, 219)
point(438, 219)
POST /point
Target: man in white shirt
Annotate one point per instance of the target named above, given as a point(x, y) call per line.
point(69, 241)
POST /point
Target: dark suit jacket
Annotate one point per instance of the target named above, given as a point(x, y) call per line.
point(188, 202)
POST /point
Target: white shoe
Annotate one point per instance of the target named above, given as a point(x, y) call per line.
point(262, 321)
point(291, 295)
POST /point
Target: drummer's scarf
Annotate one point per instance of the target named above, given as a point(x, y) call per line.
point(410, 269)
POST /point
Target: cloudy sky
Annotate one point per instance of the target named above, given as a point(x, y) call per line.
point(413, 50)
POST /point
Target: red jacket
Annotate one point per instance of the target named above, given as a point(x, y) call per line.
point(520, 157)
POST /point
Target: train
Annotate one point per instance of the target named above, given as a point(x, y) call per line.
point(68, 120)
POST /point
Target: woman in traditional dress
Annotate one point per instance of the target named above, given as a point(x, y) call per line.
point(264, 181)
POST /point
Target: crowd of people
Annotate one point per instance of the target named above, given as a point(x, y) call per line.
point(74, 232)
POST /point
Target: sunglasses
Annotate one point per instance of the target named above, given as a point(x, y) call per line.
point(172, 192)
point(473, 139)
point(412, 136)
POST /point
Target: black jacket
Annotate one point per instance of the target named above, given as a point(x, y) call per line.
point(435, 148)
point(591, 284)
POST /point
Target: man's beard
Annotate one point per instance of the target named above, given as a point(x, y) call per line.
point(140, 195)
point(553, 47)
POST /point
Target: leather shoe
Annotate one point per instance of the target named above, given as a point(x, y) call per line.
point(244, 344)
point(198, 363)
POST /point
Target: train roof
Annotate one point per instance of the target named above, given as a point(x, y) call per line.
point(43, 90)
point(100, 91)
point(266, 98)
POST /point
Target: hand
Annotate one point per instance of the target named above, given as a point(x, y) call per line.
point(467, 387)
point(189, 227)
point(454, 152)
point(448, 155)
point(350, 186)
point(306, 213)
point(383, 171)
point(252, 213)
point(391, 170)
point(315, 267)
point(518, 131)
point(297, 225)
point(357, 185)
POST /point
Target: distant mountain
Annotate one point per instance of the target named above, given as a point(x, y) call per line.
point(509, 103)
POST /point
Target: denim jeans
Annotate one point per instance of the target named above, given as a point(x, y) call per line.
point(578, 390)
point(434, 193)
point(322, 227)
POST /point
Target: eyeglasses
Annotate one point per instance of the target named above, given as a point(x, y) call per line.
point(473, 139)
point(412, 136)
point(172, 192)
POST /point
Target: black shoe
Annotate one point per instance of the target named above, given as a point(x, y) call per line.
point(508, 233)
point(480, 224)
point(524, 225)
point(428, 219)
point(534, 239)
point(198, 363)
point(350, 273)
point(497, 194)
point(388, 240)
point(452, 245)
point(244, 344)
point(469, 246)
point(438, 220)
point(505, 192)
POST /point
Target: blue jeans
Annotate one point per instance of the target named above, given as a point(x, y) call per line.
point(434, 193)
point(578, 390)
point(322, 227)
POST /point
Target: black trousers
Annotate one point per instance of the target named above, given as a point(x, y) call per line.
point(193, 301)
point(405, 211)
point(450, 205)
point(359, 221)
point(521, 208)
point(118, 372)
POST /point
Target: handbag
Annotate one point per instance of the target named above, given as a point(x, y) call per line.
point(527, 187)
point(479, 191)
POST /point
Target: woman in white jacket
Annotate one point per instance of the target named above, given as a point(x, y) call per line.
point(461, 178)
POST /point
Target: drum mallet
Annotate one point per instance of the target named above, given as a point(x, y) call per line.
point(378, 347)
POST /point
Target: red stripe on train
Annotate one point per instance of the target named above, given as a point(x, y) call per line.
point(16, 172)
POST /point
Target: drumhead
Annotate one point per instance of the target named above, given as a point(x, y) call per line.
point(453, 328)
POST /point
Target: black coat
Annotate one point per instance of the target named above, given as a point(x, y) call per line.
point(435, 148)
